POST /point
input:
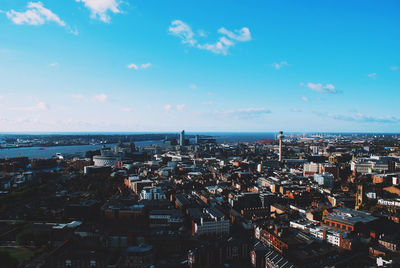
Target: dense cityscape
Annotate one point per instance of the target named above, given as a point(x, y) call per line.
point(199, 134)
point(301, 200)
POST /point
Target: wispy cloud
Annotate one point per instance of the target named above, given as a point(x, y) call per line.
point(279, 65)
point(101, 97)
point(183, 31)
point(54, 64)
point(133, 66)
point(100, 8)
point(241, 35)
point(36, 14)
point(328, 88)
point(193, 86)
point(372, 75)
point(304, 98)
point(394, 68)
point(145, 65)
point(137, 67)
point(296, 110)
point(207, 103)
point(221, 46)
point(167, 107)
point(359, 117)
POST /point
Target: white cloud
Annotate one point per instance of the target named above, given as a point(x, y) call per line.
point(133, 66)
point(304, 98)
point(296, 110)
point(141, 66)
point(241, 35)
point(36, 14)
point(221, 46)
point(100, 8)
point(193, 86)
point(394, 68)
point(180, 107)
point(372, 75)
point(278, 65)
point(54, 64)
point(183, 31)
point(207, 103)
point(167, 107)
point(145, 65)
point(101, 97)
point(328, 88)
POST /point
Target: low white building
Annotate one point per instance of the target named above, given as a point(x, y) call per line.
point(325, 179)
point(208, 221)
point(152, 193)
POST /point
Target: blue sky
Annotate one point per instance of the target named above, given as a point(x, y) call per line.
point(142, 65)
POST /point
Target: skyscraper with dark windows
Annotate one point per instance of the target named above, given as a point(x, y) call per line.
point(182, 138)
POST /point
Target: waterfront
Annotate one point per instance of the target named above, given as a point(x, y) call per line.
point(66, 151)
point(80, 150)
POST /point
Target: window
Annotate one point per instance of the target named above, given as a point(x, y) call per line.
point(68, 263)
point(92, 263)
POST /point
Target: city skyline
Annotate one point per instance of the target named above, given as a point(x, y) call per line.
point(111, 66)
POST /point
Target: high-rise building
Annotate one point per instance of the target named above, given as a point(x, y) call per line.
point(280, 137)
point(182, 138)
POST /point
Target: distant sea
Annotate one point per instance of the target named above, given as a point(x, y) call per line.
point(80, 150)
point(231, 137)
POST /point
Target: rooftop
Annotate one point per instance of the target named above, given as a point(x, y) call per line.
point(351, 216)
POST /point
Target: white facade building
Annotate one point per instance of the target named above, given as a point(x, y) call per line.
point(152, 193)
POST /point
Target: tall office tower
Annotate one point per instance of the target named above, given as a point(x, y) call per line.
point(182, 138)
point(196, 139)
point(280, 137)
